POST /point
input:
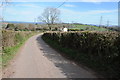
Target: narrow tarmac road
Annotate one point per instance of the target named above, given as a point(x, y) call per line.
point(37, 60)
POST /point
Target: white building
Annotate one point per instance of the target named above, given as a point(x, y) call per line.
point(65, 29)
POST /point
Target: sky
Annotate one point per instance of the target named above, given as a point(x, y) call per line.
point(77, 12)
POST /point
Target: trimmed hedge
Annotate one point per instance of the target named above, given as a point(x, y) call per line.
point(97, 50)
point(11, 42)
point(12, 38)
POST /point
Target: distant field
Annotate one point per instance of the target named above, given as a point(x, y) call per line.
point(87, 27)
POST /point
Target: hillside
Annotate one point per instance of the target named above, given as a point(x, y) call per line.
point(82, 27)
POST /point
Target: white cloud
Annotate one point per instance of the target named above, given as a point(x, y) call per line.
point(23, 14)
point(69, 5)
point(27, 5)
point(91, 17)
point(32, 11)
point(91, 12)
point(100, 11)
point(66, 0)
point(99, 0)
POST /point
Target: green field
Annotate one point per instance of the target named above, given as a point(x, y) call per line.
point(87, 27)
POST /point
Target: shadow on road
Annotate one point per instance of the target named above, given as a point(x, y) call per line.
point(70, 69)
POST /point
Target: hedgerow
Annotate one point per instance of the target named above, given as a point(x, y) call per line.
point(12, 38)
point(11, 42)
point(97, 50)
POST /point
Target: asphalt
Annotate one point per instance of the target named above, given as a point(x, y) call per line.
point(38, 60)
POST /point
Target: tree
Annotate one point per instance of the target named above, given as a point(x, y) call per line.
point(10, 26)
point(20, 26)
point(4, 2)
point(50, 16)
point(31, 27)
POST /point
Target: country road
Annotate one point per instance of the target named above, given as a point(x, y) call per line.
point(38, 60)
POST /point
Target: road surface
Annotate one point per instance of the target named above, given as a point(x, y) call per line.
point(38, 60)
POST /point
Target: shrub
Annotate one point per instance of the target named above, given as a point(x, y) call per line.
point(11, 42)
point(98, 50)
point(12, 38)
point(10, 26)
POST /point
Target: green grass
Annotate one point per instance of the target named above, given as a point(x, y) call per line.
point(0, 61)
point(88, 27)
point(9, 52)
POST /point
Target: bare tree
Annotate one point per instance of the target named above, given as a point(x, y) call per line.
point(50, 16)
point(4, 2)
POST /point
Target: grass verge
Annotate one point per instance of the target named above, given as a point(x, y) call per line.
point(9, 52)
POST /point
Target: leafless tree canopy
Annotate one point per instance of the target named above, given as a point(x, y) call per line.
point(4, 2)
point(50, 15)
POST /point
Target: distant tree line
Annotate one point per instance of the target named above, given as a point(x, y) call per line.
point(20, 27)
point(115, 28)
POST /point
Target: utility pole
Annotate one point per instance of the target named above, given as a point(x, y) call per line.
point(34, 20)
point(35, 23)
point(108, 23)
point(119, 15)
point(101, 21)
point(72, 24)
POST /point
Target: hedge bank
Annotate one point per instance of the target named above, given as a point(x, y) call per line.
point(11, 42)
point(97, 50)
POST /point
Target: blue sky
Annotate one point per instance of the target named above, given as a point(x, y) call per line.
point(81, 12)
